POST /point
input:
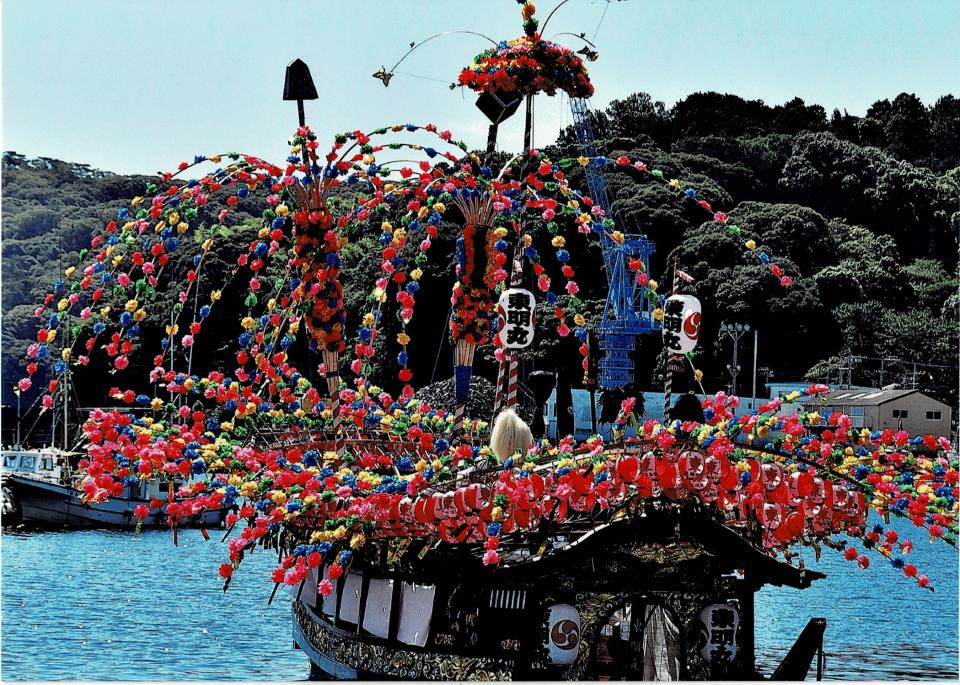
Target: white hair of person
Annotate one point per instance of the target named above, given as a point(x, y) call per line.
point(510, 434)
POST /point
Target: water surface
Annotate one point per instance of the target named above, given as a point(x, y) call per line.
point(880, 625)
point(96, 605)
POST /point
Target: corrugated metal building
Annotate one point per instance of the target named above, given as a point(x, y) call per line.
point(910, 410)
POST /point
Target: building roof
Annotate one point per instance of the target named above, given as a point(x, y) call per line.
point(866, 397)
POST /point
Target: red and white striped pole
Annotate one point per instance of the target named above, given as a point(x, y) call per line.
point(501, 383)
point(512, 379)
point(510, 362)
point(509, 369)
point(668, 372)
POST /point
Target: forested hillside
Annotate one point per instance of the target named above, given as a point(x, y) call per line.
point(862, 212)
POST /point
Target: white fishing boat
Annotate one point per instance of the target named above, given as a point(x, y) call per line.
point(42, 487)
point(40, 492)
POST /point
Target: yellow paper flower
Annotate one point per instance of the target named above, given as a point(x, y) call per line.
point(403, 338)
point(751, 244)
point(658, 314)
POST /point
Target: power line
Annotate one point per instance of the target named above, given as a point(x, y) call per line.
point(606, 6)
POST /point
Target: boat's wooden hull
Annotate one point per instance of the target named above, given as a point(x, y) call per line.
point(50, 505)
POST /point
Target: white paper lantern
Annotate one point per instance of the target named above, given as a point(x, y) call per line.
point(681, 323)
point(720, 622)
point(563, 634)
point(517, 318)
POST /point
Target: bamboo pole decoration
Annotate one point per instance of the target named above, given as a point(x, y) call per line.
point(462, 371)
point(331, 359)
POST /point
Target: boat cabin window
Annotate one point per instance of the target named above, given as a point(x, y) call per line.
point(46, 464)
point(10, 460)
point(28, 461)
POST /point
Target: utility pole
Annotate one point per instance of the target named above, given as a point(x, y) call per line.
point(753, 404)
point(735, 332)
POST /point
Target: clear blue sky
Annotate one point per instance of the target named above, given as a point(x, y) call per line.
point(134, 86)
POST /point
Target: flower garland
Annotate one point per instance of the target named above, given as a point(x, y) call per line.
point(781, 491)
point(528, 65)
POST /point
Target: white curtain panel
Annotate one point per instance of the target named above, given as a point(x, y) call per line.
point(661, 646)
point(376, 617)
point(350, 604)
point(309, 594)
point(416, 608)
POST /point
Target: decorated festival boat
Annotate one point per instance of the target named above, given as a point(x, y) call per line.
point(416, 542)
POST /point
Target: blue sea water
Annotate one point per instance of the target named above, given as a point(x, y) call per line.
point(97, 605)
point(880, 625)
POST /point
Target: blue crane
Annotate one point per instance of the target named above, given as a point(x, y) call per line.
point(627, 313)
